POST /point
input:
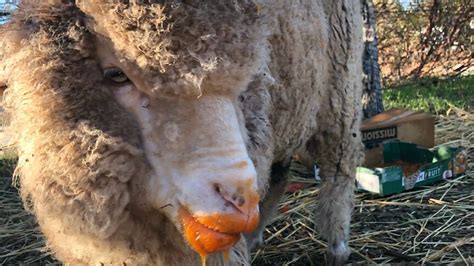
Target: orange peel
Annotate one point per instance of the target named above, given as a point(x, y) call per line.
point(203, 239)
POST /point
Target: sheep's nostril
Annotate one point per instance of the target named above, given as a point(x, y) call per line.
point(241, 201)
point(237, 211)
point(217, 188)
point(239, 197)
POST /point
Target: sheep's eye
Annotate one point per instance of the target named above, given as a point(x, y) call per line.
point(116, 75)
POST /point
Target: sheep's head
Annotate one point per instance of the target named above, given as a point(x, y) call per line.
point(176, 69)
point(179, 68)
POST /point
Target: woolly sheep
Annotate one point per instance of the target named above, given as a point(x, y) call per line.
point(153, 132)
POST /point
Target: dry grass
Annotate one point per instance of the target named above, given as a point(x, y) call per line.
point(434, 224)
point(20, 239)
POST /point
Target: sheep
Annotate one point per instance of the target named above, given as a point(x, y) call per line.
point(161, 132)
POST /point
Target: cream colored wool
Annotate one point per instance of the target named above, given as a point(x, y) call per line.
point(295, 64)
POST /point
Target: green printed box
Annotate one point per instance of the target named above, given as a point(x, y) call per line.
point(405, 166)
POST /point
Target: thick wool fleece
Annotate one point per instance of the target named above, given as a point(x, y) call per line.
point(80, 154)
point(178, 44)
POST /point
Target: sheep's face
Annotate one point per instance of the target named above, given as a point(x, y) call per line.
point(177, 67)
point(202, 177)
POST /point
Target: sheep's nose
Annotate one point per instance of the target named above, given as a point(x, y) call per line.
point(240, 213)
point(220, 230)
point(242, 197)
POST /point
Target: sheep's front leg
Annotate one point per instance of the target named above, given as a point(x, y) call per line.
point(335, 206)
point(278, 181)
point(337, 154)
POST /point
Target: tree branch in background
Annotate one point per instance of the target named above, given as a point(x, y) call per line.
point(428, 38)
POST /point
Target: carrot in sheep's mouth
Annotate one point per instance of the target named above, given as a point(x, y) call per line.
point(203, 239)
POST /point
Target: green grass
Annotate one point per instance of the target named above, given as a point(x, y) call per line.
point(432, 95)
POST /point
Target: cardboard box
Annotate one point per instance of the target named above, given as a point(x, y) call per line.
point(402, 124)
point(405, 166)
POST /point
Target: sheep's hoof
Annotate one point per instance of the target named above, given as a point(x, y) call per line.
point(338, 253)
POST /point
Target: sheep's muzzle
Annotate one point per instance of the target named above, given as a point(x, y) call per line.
point(217, 232)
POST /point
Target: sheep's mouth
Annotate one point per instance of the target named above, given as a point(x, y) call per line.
point(204, 239)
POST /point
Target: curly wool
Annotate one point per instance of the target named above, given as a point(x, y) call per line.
point(53, 101)
point(180, 45)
